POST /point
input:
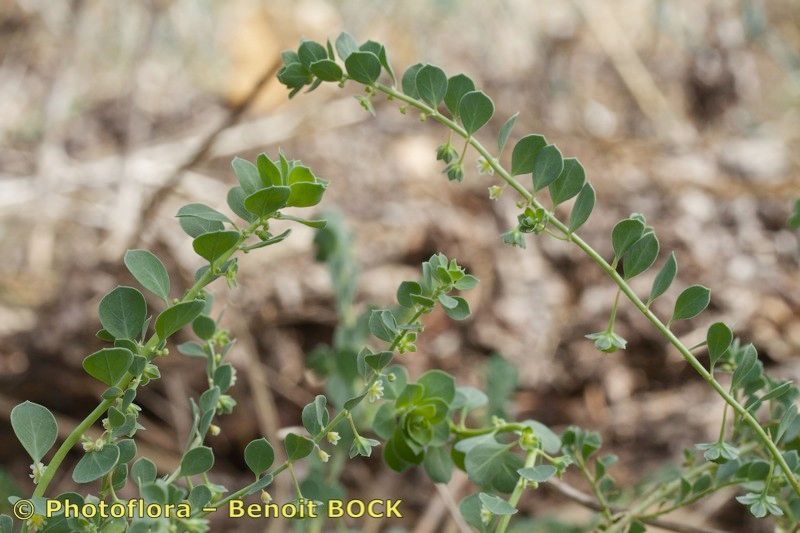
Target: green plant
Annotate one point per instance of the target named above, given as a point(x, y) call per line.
point(760, 456)
point(429, 422)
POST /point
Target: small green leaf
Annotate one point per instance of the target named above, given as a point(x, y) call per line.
point(204, 327)
point(457, 87)
point(691, 302)
point(143, 471)
point(383, 325)
point(305, 194)
point(298, 446)
point(127, 450)
point(380, 51)
point(664, 278)
point(310, 52)
point(538, 474)
point(470, 508)
point(197, 461)
point(469, 398)
point(505, 131)
point(223, 377)
point(460, 311)
point(327, 70)
point(259, 456)
point(363, 67)
point(35, 427)
point(583, 207)
point(409, 81)
point(179, 315)
point(149, 271)
point(438, 384)
point(108, 365)
point(236, 198)
point(212, 246)
point(247, 174)
point(404, 292)
point(345, 45)
point(431, 84)
point(123, 312)
point(496, 505)
point(266, 201)
point(569, 182)
point(95, 465)
point(268, 171)
point(524, 154)
point(491, 465)
point(547, 167)
point(475, 110)
point(640, 256)
point(315, 415)
point(748, 362)
point(438, 464)
point(718, 341)
point(466, 283)
point(625, 234)
point(201, 211)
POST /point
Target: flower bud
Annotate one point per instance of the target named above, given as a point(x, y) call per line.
point(265, 497)
point(214, 430)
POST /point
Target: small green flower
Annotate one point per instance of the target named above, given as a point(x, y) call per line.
point(445, 152)
point(607, 341)
point(484, 166)
point(333, 437)
point(375, 392)
point(495, 191)
point(714, 451)
point(362, 446)
point(514, 237)
point(37, 470)
point(455, 171)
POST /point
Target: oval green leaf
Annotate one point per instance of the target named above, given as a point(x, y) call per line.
point(266, 201)
point(583, 207)
point(149, 271)
point(108, 365)
point(247, 174)
point(569, 182)
point(123, 312)
point(431, 84)
point(718, 341)
point(179, 315)
point(457, 87)
point(640, 256)
point(259, 455)
point(95, 465)
point(547, 167)
point(297, 446)
point(524, 154)
point(327, 70)
point(664, 278)
point(197, 461)
point(35, 427)
point(691, 302)
point(212, 246)
point(363, 67)
point(475, 110)
point(625, 233)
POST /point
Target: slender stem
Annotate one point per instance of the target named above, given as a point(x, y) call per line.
point(516, 494)
point(76, 434)
point(722, 427)
point(601, 498)
point(615, 277)
point(613, 318)
point(462, 432)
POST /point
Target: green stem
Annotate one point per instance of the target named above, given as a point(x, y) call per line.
point(613, 318)
point(462, 432)
point(615, 277)
point(519, 488)
point(75, 436)
point(601, 498)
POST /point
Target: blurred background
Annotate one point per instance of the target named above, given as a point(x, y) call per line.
point(113, 114)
